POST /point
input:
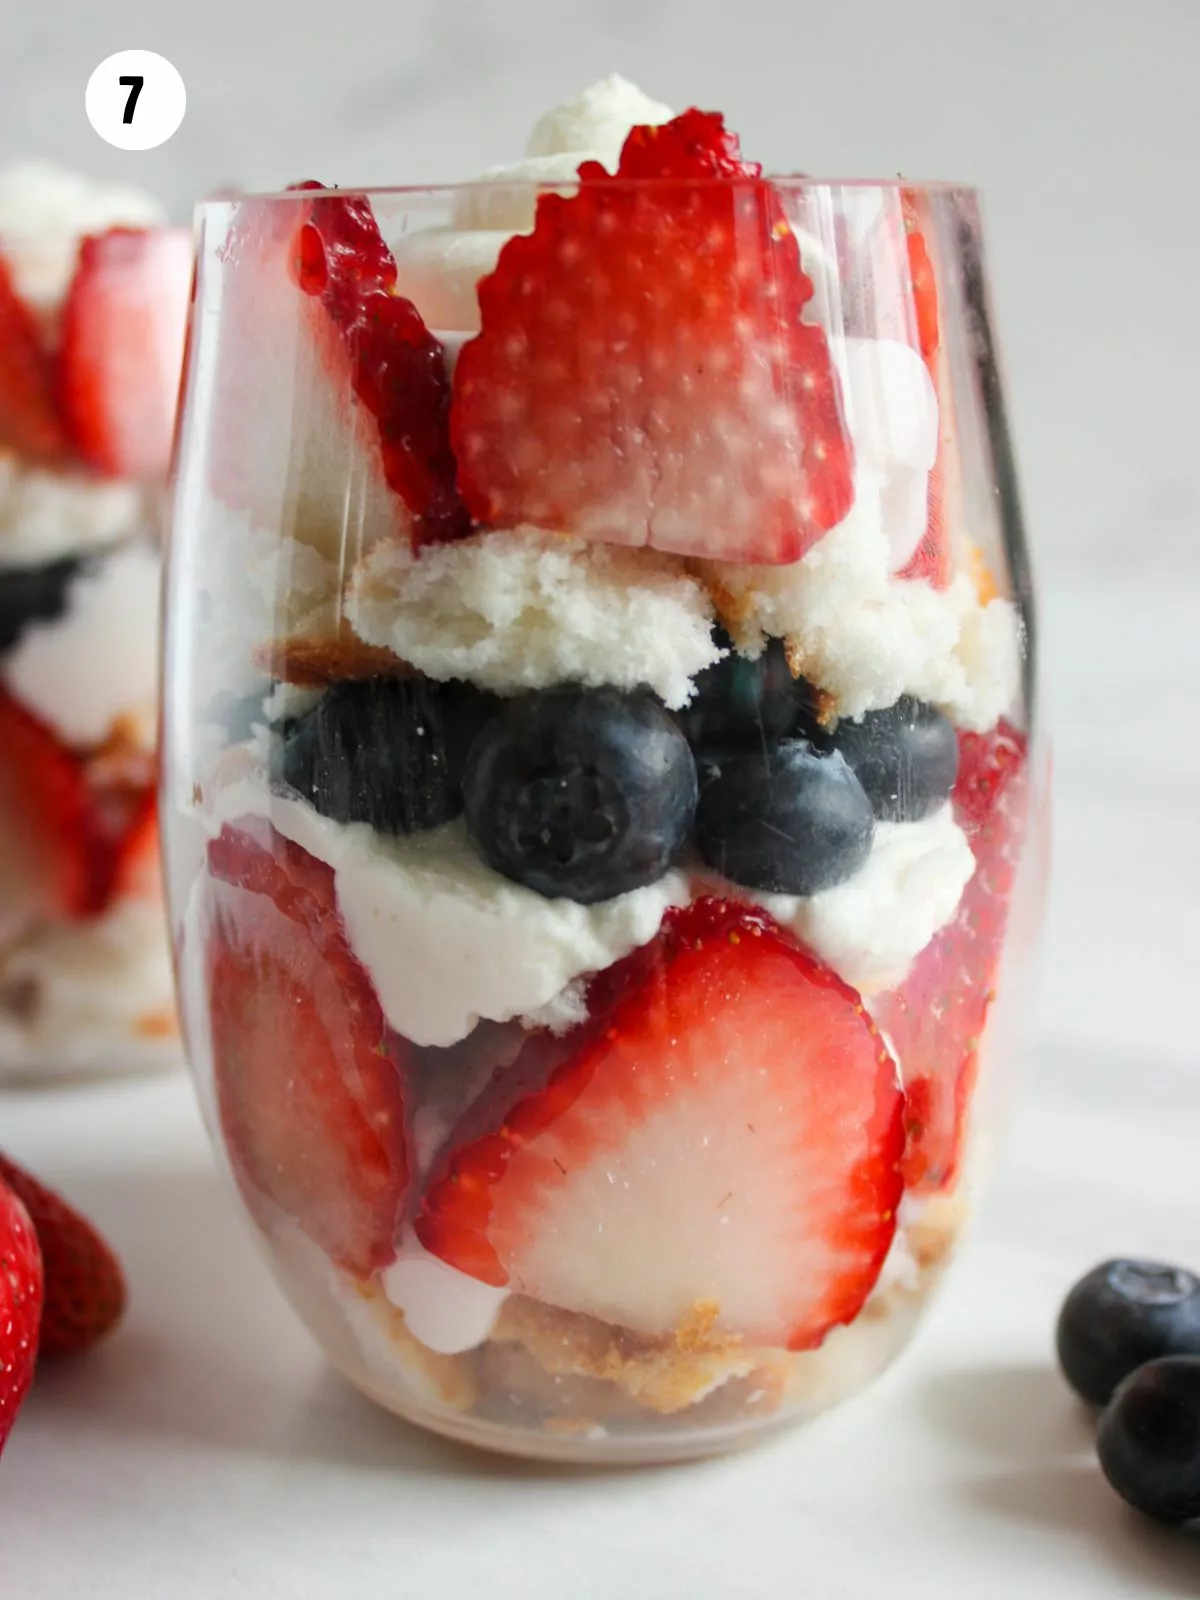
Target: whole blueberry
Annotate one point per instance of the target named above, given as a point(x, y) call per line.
point(387, 751)
point(34, 594)
point(906, 758)
point(1149, 1439)
point(579, 793)
point(749, 701)
point(792, 819)
point(1121, 1315)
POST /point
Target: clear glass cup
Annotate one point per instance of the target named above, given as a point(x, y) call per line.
point(596, 960)
point(93, 333)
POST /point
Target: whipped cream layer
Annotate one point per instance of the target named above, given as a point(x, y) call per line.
point(870, 928)
point(97, 664)
point(93, 996)
point(44, 213)
point(449, 942)
point(446, 940)
point(45, 515)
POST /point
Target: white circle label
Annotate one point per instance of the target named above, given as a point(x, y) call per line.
point(135, 99)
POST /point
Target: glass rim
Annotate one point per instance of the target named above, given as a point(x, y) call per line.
point(782, 180)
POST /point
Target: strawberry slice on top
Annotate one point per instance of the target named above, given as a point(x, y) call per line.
point(354, 444)
point(935, 1018)
point(309, 1080)
point(29, 420)
point(725, 1134)
point(121, 352)
point(644, 373)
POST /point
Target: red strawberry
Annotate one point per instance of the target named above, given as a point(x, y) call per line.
point(931, 559)
point(29, 423)
point(137, 870)
point(935, 1018)
point(20, 1306)
point(396, 368)
point(121, 779)
point(726, 1131)
point(355, 444)
point(46, 824)
point(122, 348)
point(309, 1080)
point(644, 374)
point(85, 1287)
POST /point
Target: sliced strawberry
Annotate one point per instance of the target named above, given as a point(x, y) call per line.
point(84, 1284)
point(122, 348)
point(932, 558)
point(29, 422)
point(21, 1288)
point(355, 444)
point(644, 375)
point(396, 367)
point(725, 1132)
point(125, 858)
point(309, 1081)
point(47, 834)
point(935, 1018)
point(137, 870)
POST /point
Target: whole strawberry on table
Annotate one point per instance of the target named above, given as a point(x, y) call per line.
point(61, 1287)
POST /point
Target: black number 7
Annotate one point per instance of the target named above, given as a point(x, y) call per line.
point(135, 85)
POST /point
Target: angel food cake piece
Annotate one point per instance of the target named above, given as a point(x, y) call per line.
point(604, 887)
point(93, 302)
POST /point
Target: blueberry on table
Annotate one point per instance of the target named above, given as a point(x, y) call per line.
point(581, 794)
point(906, 758)
point(387, 751)
point(792, 819)
point(745, 701)
point(1149, 1439)
point(1121, 1315)
point(33, 594)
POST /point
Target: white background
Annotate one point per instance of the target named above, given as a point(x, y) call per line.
point(205, 1452)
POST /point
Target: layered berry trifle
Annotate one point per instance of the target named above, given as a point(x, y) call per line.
point(597, 761)
point(93, 309)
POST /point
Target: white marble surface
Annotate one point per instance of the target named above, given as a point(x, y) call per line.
point(206, 1453)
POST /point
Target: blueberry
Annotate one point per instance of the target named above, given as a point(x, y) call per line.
point(792, 819)
point(581, 793)
point(1121, 1315)
point(740, 702)
point(33, 594)
point(388, 751)
point(906, 758)
point(1149, 1439)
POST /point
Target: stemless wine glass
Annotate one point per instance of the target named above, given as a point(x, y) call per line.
point(91, 352)
point(599, 784)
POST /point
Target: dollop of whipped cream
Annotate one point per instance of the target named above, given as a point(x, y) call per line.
point(45, 211)
point(438, 269)
point(598, 120)
point(870, 928)
point(45, 515)
point(444, 1308)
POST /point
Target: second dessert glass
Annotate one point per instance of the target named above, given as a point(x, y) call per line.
point(93, 310)
point(598, 771)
